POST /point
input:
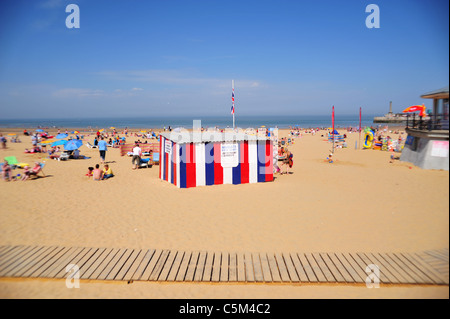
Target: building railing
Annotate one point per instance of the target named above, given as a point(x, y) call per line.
point(435, 122)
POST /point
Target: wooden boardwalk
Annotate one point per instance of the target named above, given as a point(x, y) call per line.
point(428, 267)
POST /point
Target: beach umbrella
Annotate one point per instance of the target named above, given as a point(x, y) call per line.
point(416, 108)
point(73, 145)
point(60, 142)
point(39, 130)
point(60, 136)
point(101, 130)
point(47, 142)
point(112, 128)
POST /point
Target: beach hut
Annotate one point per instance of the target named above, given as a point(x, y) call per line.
point(191, 159)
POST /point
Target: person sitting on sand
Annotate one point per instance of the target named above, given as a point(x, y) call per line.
point(107, 172)
point(97, 173)
point(6, 171)
point(90, 170)
point(31, 172)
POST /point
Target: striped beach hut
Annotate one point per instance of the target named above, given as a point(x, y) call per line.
point(191, 159)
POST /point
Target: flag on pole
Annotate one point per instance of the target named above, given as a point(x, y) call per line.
point(232, 97)
point(332, 119)
point(360, 120)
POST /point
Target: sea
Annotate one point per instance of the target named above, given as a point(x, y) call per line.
point(307, 121)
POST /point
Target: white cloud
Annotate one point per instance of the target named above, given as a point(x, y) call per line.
point(77, 93)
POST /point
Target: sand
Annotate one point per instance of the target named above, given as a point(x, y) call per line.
point(361, 202)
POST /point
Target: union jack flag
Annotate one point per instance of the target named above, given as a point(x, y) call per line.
point(232, 100)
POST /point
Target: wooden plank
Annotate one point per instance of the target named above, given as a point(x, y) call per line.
point(12, 250)
point(265, 268)
point(4, 249)
point(84, 257)
point(119, 264)
point(302, 276)
point(111, 265)
point(176, 266)
point(347, 277)
point(326, 271)
point(215, 276)
point(151, 256)
point(130, 262)
point(183, 267)
point(159, 265)
point(316, 268)
point(290, 268)
point(104, 263)
point(384, 268)
point(366, 262)
point(151, 265)
point(355, 265)
point(333, 268)
point(438, 254)
point(273, 268)
point(312, 277)
point(224, 267)
point(282, 268)
point(208, 267)
point(167, 266)
point(55, 265)
point(91, 266)
point(17, 259)
point(240, 267)
point(393, 267)
point(62, 263)
point(5, 272)
point(192, 266)
point(41, 254)
point(12, 254)
point(339, 258)
point(257, 267)
point(45, 262)
point(415, 263)
point(200, 266)
point(405, 266)
point(232, 274)
point(137, 262)
point(249, 274)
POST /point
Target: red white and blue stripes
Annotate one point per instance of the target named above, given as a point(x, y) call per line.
point(201, 164)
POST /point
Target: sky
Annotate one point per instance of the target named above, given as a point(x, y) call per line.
point(145, 58)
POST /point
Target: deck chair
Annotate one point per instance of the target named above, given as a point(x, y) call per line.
point(89, 145)
point(156, 158)
point(145, 162)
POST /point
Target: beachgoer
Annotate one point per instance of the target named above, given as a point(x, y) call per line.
point(102, 146)
point(97, 173)
point(30, 172)
point(6, 171)
point(90, 171)
point(137, 153)
point(3, 141)
point(107, 172)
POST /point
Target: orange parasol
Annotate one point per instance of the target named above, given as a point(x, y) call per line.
point(415, 108)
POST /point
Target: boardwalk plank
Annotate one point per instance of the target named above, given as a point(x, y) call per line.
point(192, 267)
point(357, 265)
point(131, 265)
point(249, 273)
point(312, 277)
point(4, 249)
point(104, 263)
point(384, 269)
point(183, 267)
point(366, 262)
point(61, 264)
point(112, 264)
point(302, 276)
point(232, 270)
point(45, 262)
point(425, 269)
point(224, 267)
point(276, 277)
point(10, 252)
point(290, 268)
point(19, 262)
point(27, 264)
point(92, 265)
point(325, 261)
point(349, 267)
point(282, 268)
point(215, 276)
point(207, 273)
point(17, 259)
point(175, 266)
point(200, 266)
point(405, 265)
point(159, 265)
point(168, 265)
point(337, 273)
point(265, 268)
point(345, 273)
point(150, 256)
point(12, 255)
point(240, 267)
point(119, 264)
point(318, 271)
point(257, 267)
point(84, 257)
point(396, 270)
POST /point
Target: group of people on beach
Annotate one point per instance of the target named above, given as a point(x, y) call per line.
point(7, 174)
point(98, 174)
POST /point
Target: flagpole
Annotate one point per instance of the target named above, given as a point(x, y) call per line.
point(359, 141)
point(333, 129)
point(232, 86)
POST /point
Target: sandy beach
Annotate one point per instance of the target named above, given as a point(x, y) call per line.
point(361, 202)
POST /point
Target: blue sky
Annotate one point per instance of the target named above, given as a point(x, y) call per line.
point(144, 57)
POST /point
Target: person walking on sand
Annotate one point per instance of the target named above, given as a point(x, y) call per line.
point(102, 146)
point(137, 154)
